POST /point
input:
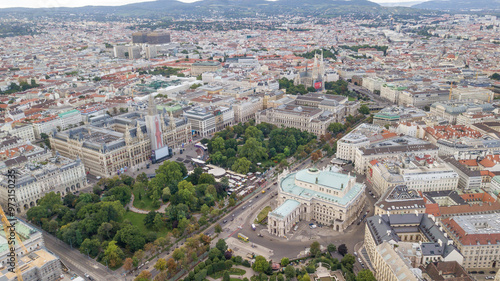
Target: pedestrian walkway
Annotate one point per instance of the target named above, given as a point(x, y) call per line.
point(131, 207)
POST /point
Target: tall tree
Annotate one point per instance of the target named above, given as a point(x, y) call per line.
point(128, 264)
point(342, 249)
point(315, 249)
point(113, 254)
point(161, 264)
point(253, 150)
point(365, 275)
point(242, 165)
point(145, 275)
point(221, 245)
point(260, 264)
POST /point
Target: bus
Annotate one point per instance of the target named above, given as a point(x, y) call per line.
point(242, 237)
point(198, 144)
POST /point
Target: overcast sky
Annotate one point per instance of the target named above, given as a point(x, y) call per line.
point(80, 3)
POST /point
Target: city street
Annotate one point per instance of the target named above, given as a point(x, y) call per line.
point(77, 262)
point(379, 102)
point(299, 240)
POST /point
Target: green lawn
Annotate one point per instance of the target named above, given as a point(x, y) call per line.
point(138, 220)
point(351, 98)
point(263, 214)
point(145, 203)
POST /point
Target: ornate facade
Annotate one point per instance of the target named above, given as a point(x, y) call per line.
point(328, 197)
point(108, 146)
point(56, 174)
point(309, 78)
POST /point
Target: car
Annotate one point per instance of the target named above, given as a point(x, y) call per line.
point(359, 222)
point(232, 219)
point(359, 260)
point(480, 272)
point(356, 254)
point(181, 151)
point(260, 235)
point(87, 275)
point(257, 196)
point(489, 277)
point(98, 177)
point(224, 221)
point(250, 201)
point(244, 207)
point(473, 272)
point(493, 272)
point(233, 215)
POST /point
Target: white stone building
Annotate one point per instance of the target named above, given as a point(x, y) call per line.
point(325, 196)
point(396, 244)
point(46, 126)
point(58, 174)
point(373, 83)
point(71, 118)
point(359, 137)
point(23, 131)
point(408, 146)
point(246, 108)
point(477, 237)
point(305, 118)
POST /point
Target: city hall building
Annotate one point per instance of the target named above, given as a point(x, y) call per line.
point(325, 196)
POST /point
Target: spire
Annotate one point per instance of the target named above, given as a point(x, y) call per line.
point(128, 137)
point(172, 120)
point(152, 106)
point(139, 133)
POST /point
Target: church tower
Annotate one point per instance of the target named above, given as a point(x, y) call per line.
point(154, 125)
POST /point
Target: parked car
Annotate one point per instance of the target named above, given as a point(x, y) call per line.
point(224, 221)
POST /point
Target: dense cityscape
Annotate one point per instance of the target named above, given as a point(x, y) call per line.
point(321, 142)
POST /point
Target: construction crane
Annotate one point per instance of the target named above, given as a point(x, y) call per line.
point(6, 224)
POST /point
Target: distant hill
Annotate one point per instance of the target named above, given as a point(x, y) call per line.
point(229, 7)
point(400, 4)
point(459, 4)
